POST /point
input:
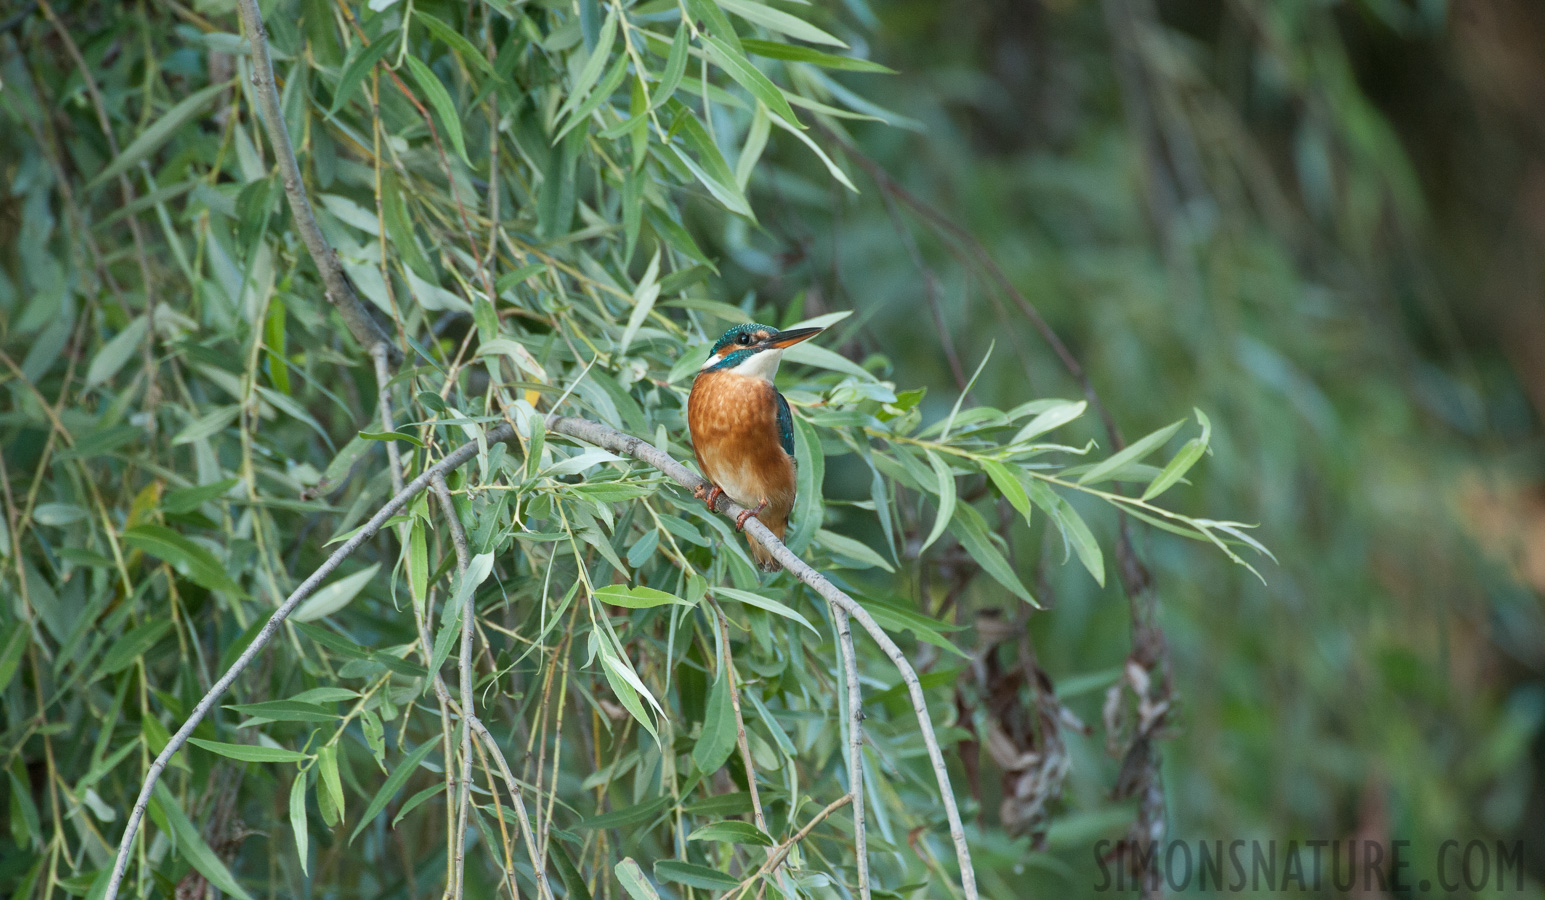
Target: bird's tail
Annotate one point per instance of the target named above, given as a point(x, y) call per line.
point(764, 558)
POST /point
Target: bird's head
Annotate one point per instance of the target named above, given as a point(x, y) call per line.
point(754, 350)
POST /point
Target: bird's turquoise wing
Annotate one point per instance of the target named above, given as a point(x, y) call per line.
point(785, 425)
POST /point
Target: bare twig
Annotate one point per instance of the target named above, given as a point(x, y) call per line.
point(452, 460)
point(642, 450)
point(464, 665)
point(340, 291)
point(855, 747)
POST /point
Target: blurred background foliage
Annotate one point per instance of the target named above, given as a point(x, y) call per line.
point(1320, 224)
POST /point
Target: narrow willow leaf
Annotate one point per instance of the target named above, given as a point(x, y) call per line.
point(327, 769)
point(108, 360)
point(354, 73)
point(856, 550)
point(394, 783)
point(675, 66)
point(628, 815)
point(810, 474)
point(454, 39)
point(796, 53)
point(128, 648)
point(971, 528)
point(636, 597)
point(158, 133)
point(717, 739)
point(592, 69)
point(831, 167)
point(633, 880)
point(1008, 485)
point(945, 488)
point(724, 191)
point(250, 752)
point(1133, 453)
point(750, 78)
point(779, 21)
point(392, 436)
point(298, 817)
point(285, 711)
point(189, 559)
point(644, 296)
point(601, 94)
point(328, 600)
point(413, 802)
point(191, 846)
point(1074, 530)
point(732, 832)
point(757, 600)
point(1188, 456)
point(440, 99)
point(693, 875)
point(1055, 417)
point(186, 500)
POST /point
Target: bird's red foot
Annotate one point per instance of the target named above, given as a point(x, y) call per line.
point(709, 495)
point(740, 520)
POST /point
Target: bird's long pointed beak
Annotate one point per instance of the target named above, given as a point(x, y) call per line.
point(791, 337)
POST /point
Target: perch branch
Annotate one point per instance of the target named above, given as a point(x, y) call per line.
point(456, 458)
point(340, 291)
point(640, 449)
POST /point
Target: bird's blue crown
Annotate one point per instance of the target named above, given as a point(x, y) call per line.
point(728, 347)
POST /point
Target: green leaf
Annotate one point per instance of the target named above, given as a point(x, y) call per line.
point(779, 21)
point(675, 66)
point(249, 752)
point(440, 99)
point(353, 74)
point(1054, 417)
point(1133, 453)
point(335, 596)
point(796, 53)
point(592, 69)
point(393, 784)
point(186, 500)
point(285, 711)
point(392, 436)
point(732, 832)
point(207, 425)
point(760, 602)
point(636, 597)
point(971, 528)
point(856, 550)
point(116, 352)
point(717, 739)
point(454, 39)
point(1008, 485)
point(601, 94)
point(191, 560)
point(12, 645)
point(191, 846)
point(946, 491)
point(630, 815)
point(628, 687)
point(327, 768)
point(750, 78)
point(128, 648)
point(159, 133)
point(1074, 530)
point(895, 618)
point(298, 816)
point(632, 879)
point(644, 296)
point(693, 875)
point(1189, 454)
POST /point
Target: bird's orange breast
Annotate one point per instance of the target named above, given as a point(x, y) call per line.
point(734, 424)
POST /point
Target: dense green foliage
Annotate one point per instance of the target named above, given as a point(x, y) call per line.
point(560, 204)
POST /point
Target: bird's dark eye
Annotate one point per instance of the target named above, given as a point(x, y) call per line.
point(744, 339)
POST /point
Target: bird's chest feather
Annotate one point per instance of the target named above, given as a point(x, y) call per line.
point(734, 424)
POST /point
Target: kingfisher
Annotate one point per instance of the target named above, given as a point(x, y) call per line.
point(742, 431)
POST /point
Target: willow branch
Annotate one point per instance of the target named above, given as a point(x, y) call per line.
point(641, 450)
point(453, 460)
point(340, 291)
point(464, 666)
point(775, 857)
point(855, 746)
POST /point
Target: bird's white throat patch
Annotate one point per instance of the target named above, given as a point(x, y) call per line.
point(763, 364)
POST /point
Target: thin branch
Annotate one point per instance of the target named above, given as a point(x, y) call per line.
point(776, 856)
point(340, 291)
point(641, 450)
point(855, 747)
point(308, 587)
point(464, 665)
